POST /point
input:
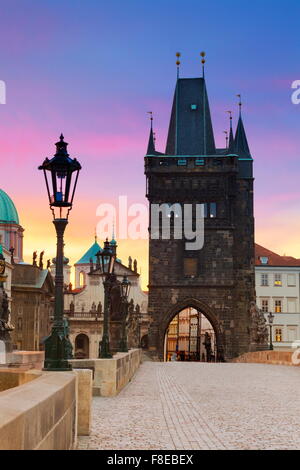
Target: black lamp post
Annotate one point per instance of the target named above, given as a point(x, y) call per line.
point(106, 260)
point(271, 318)
point(61, 175)
point(125, 289)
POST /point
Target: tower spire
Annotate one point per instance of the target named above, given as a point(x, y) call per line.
point(241, 147)
point(151, 142)
point(231, 138)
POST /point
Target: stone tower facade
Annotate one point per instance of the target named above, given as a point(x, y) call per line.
point(217, 279)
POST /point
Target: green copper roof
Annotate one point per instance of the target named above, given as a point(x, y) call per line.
point(8, 212)
point(91, 253)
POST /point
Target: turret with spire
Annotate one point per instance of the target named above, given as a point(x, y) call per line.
point(231, 139)
point(241, 147)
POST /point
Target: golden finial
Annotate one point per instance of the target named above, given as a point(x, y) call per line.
point(178, 55)
point(151, 115)
point(202, 54)
point(226, 137)
point(240, 102)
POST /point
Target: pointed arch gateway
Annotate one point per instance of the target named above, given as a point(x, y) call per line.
point(203, 310)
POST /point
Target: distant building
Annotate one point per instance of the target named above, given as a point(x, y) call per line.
point(29, 287)
point(84, 302)
point(277, 280)
point(32, 306)
point(187, 337)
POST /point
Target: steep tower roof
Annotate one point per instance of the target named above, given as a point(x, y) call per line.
point(231, 138)
point(151, 144)
point(190, 128)
point(241, 147)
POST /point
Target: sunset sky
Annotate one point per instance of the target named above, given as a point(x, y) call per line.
point(92, 69)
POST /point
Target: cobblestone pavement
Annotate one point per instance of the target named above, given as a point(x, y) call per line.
point(200, 406)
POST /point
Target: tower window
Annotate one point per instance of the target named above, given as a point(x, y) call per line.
point(190, 266)
point(193, 107)
point(212, 209)
point(181, 162)
point(199, 162)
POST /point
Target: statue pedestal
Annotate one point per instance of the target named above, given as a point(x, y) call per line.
point(6, 349)
point(115, 334)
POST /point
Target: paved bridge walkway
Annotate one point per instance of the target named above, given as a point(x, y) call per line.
point(201, 406)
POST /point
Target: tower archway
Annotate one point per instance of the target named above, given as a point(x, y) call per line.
point(191, 331)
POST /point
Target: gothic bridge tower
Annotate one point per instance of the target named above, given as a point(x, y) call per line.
point(217, 280)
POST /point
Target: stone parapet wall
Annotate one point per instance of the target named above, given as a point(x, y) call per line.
point(10, 378)
point(288, 358)
point(26, 360)
point(41, 414)
point(111, 375)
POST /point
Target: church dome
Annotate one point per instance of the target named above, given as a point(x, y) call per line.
point(8, 211)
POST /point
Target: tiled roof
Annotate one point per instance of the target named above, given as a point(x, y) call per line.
point(273, 258)
point(91, 253)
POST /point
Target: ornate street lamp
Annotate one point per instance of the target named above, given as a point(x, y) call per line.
point(106, 260)
point(271, 319)
point(61, 175)
point(125, 289)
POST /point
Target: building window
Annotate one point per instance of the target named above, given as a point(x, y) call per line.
point(264, 280)
point(278, 306)
point(278, 335)
point(190, 266)
point(265, 305)
point(82, 278)
point(291, 305)
point(212, 209)
point(291, 280)
point(277, 280)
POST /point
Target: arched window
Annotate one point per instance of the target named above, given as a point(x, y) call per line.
point(82, 279)
point(82, 346)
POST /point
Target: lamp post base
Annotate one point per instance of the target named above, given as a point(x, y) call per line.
point(104, 352)
point(123, 345)
point(56, 352)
